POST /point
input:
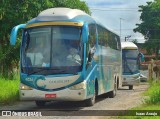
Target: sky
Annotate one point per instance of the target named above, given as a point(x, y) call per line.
point(120, 16)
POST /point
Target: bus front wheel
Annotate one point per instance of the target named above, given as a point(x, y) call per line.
point(40, 103)
point(91, 101)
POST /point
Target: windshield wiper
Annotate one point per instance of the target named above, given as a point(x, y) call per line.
point(46, 69)
point(36, 71)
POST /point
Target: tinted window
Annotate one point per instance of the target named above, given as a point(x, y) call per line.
point(92, 35)
point(108, 39)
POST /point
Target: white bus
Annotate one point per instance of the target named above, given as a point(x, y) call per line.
point(130, 64)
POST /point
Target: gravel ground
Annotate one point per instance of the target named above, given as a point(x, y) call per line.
point(125, 99)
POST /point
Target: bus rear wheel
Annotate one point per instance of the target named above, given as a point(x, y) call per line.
point(112, 93)
point(40, 103)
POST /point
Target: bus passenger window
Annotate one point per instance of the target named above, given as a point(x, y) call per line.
point(92, 35)
point(91, 45)
point(103, 36)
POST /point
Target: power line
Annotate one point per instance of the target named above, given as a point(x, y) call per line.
point(142, 29)
point(115, 9)
point(123, 9)
point(154, 40)
point(122, 29)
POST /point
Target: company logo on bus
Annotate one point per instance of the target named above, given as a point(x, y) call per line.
point(29, 79)
point(52, 82)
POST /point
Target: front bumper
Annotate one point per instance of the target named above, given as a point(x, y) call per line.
point(130, 81)
point(64, 95)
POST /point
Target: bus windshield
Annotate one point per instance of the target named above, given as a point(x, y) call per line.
point(130, 61)
point(52, 50)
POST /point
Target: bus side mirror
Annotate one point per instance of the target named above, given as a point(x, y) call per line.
point(14, 32)
point(85, 33)
point(141, 56)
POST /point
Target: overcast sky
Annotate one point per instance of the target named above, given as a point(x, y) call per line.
point(116, 13)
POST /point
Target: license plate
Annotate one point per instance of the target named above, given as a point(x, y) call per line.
point(50, 95)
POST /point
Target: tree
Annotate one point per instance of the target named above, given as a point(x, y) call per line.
point(14, 12)
point(150, 25)
point(135, 41)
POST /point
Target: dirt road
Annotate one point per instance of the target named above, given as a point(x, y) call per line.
point(125, 99)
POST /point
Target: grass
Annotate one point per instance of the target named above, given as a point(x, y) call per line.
point(9, 90)
point(154, 93)
point(145, 109)
point(151, 104)
point(148, 107)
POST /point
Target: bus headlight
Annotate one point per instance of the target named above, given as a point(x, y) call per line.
point(25, 87)
point(81, 85)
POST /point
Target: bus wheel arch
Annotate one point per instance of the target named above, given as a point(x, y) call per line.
point(91, 101)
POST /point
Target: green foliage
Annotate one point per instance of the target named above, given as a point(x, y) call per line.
point(152, 103)
point(135, 41)
point(143, 109)
point(153, 93)
point(150, 25)
point(9, 90)
point(14, 12)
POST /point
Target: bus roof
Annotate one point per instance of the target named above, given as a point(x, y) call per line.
point(62, 14)
point(128, 45)
point(54, 14)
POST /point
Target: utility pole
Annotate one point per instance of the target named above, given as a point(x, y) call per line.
point(120, 27)
point(127, 37)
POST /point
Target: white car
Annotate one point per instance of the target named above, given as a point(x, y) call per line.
point(143, 78)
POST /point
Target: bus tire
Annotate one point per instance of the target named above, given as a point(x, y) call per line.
point(117, 83)
point(40, 103)
point(91, 101)
point(130, 87)
point(112, 93)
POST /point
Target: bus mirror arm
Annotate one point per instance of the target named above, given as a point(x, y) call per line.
point(85, 32)
point(14, 33)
